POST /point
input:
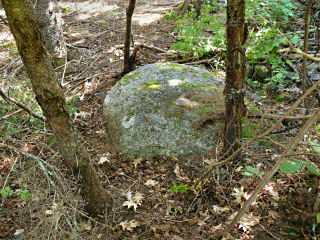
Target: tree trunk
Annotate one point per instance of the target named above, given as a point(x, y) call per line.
point(195, 4)
point(50, 24)
point(51, 98)
point(128, 62)
point(234, 89)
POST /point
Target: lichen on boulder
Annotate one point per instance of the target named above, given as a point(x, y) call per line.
point(155, 110)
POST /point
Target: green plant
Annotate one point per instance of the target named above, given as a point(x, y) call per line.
point(289, 233)
point(24, 194)
point(318, 218)
point(194, 32)
point(6, 192)
point(180, 188)
point(293, 165)
point(251, 171)
point(315, 146)
point(248, 128)
point(72, 104)
point(202, 35)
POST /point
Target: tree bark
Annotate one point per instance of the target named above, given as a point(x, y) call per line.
point(189, 4)
point(128, 62)
point(50, 24)
point(234, 89)
point(51, 98)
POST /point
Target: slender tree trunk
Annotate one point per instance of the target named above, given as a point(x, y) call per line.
point(128, 62)
point(234, 89)
point(50, 24)
point(307, 102)
point(51, 98)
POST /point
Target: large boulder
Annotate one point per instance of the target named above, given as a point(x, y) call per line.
point(166, 110)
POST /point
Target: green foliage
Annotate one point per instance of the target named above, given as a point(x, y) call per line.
point(251, 171)
point(202, 35)
point(24, 194)
point(281, 97)
point(294, 165)
point(192, 37)
point(170, 15)
point(72, 104)
point(315, 147)
point(180, 188)
point(6, 192)
point(101, 22)
point(289, 233)
point(66, 9)
point(248, 128)
point(15, 123)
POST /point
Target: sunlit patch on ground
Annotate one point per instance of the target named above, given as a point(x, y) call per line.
point(88, 9)
point(146, 18)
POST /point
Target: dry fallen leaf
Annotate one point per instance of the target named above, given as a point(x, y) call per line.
point(136, 162)
point(176, 237)
point(85, 226)
point(218, 209)
point(247, 221)
point(177, 171)
point(49, 212)
point(217, 228)
point(18, 232)
point(151, 183)
point(209, 161)
point(240, 195)
point(129, 225)
point(105, 158)
point(133, 201)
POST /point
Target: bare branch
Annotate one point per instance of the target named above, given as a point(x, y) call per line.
point(22, 106)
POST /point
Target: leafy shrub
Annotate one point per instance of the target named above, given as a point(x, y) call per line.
point(199, 36)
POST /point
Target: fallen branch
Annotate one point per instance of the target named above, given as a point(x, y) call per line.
point(39, 160)
point(266, 178)
point(11, 114)
point(306, 55)
point(255, 138)
point(22, 106)
point(140, 45)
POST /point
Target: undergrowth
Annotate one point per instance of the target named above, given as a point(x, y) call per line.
point(204, 35)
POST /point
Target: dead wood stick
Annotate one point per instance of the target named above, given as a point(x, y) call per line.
point(11, 114)
point(268, 115)
point(306, 55)
point(266, 178)
point(140, 45)
point(255, 138)
point(22, 106)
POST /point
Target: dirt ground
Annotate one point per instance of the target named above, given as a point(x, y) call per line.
point(94, 33)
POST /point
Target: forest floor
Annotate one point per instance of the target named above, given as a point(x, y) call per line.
point(94, 33)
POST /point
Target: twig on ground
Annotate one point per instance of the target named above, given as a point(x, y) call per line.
point(11, 114)
point(255, 138)
point(286, 129)
point(303, 54)
point(39, 160)
point(22, 106)
point(272, 171)
point(141, 45)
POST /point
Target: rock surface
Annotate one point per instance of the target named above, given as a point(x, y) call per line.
point(164, 109)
